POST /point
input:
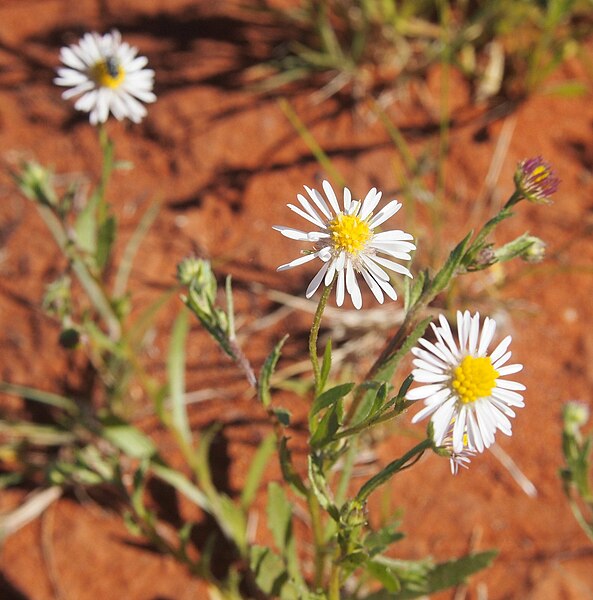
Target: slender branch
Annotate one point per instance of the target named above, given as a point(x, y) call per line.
point(315, 333)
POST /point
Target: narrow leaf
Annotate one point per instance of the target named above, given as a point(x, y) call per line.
point(129, 439)
point(263, 391)
point(182, 484)
point(330, 397)
point(257, 468)
point(48, 398)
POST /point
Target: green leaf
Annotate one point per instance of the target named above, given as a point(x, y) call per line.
point(567, 89)
point(127, 438)
point(414, 289)
point(258, 465)
point(320, 487)
point(371, 404)
point(323, 432)
point(85, 226)
point(263, 390)
point(444, 276)
point(376, 542)
point(437, 577)
point(289, 473)
point(385, 576)
point(176, 375)
point(105, 239)
point(280, 517)
point(182, 484)
point(48, 398)
point(330, 397)
point(231, 519)
point(269, 571)
point(283, 415)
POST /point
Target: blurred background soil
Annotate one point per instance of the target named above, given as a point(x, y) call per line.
point(224, 161)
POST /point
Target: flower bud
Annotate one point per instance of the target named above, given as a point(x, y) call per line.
point(535, 180)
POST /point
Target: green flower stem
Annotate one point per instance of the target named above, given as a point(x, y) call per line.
point(504, 213)
point(334, 579)
point(318, 538)
point(106, 169)
point(578, 515)
point(315, 333)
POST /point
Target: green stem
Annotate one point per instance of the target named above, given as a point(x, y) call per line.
point(314, 335)
point(106, 169)
point(318, 538)
point(334, 582)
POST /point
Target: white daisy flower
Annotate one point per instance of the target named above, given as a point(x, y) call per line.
point(462, 384)
point(108, 76)
point(346, 243)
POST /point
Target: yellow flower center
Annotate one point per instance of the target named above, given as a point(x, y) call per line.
point(349, 233)
point(108, 73)
point(474, 378)
point(539, 174)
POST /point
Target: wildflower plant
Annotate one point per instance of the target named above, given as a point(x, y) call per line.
point(461, 380)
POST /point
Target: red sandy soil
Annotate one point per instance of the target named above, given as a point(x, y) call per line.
point(224, 162)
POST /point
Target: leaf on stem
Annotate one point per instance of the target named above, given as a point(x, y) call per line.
point(256, 470)
point(263, 389)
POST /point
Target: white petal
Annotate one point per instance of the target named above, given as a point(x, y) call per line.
point(316, 281)
point(444, 334)
point(389, 264)
point(293, 234)
point(439, 351)
point(297, 262)
point(374, 269)
point(306, 216)
point(500, 349)
point(488, 329)
point(510, 385)
point(347, 200)
point(385, 213)
point(331, 196)
point(510, 369)
point(340, 288)
point(373, 285)
point(428, 366)
point(423, 391)
point(310, 210)
point(369, 203)
point(319, 202)
point(422, 376)
point(430, 358)
point(474, 332)
point(352, 286)
point(394, 235)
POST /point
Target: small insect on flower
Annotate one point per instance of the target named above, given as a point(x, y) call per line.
point(108, 76)
point(462, 385)
point(347, 244)
point(535, 180)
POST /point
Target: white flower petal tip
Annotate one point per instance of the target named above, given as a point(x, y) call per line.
point(347, 244)
point(463, 387)
point(107, 76)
